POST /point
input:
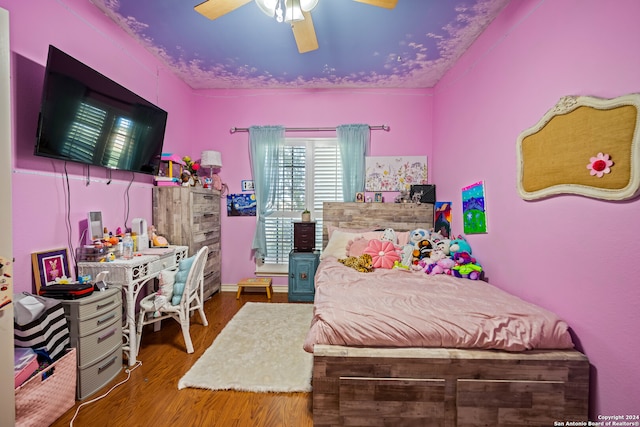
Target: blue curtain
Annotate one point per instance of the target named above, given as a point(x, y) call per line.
point(265, 143)
point(353, 141)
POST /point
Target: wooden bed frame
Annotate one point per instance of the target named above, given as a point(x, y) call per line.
point(439, 386)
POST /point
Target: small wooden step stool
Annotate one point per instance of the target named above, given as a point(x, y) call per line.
point(255, 282)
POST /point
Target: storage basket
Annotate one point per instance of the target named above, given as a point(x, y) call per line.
point(49, 331)
point(46, 396)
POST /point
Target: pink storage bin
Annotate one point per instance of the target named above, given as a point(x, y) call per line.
point(25, 363)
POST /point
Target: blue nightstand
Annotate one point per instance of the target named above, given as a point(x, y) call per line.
point(302, 272)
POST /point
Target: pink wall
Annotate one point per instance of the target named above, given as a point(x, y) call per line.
point(570, 254)
point(39, 205)
point(566, 253)
point(407, 112)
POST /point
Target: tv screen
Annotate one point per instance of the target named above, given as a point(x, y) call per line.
point(85, 117)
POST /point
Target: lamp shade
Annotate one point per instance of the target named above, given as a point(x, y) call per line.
point(210, 158)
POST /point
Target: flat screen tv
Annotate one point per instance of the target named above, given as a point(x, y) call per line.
point(88, 118)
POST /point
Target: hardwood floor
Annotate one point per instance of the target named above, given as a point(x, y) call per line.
point(151, 396)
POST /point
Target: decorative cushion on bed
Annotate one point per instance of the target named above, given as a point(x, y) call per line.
point(403, 237)
point(383, 253)
point(357, 246)
point(337, 245)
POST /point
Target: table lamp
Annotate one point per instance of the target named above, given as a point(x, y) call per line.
point(212, 160)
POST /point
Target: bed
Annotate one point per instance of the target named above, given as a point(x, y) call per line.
point(389, 350)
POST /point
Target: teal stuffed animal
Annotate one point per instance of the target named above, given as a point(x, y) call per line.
point(458, 245)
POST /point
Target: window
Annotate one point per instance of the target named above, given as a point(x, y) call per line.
point(310, 174)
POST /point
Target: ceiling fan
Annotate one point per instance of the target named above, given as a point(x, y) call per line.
point(295, 12)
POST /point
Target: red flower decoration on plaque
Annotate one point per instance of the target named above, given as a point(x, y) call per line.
point(599, 165)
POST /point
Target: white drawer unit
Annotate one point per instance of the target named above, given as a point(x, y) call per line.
point(95, 330)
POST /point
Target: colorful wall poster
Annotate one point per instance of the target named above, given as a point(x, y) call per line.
point(474, 212)
point(395, 173)
point(442, 219)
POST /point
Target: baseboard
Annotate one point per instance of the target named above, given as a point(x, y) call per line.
point(233, 287)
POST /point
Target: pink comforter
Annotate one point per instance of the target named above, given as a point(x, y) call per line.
point(399, 308)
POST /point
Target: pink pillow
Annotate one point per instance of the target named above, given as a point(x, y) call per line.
point(357, 246)
point(383, 253)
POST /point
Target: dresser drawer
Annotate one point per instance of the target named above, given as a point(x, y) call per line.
point(95, 306)
point(93, 377)
point(304, 236)
point(98, 343)
point(89, 325)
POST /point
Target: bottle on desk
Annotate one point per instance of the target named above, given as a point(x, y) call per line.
point(127, 246)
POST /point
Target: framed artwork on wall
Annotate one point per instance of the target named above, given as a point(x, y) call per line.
point(247, 185)
point(49, 266)
point(395, 173)
point(241, 204)
point(442, 218)
point(474, 211)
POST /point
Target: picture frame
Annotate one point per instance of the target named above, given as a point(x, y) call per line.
point(360, 197)
point(49, 266)
point(247, 185)
point(377, 198)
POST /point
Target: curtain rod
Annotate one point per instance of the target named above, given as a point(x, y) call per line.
point(381, 127)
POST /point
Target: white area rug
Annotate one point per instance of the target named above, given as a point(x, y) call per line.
point(259, 350)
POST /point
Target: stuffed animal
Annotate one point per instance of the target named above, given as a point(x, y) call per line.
point(421, 250)
point(443, 266)
point(459, 244)
point(389, 235)
point(443, 245)
point(418, 235)
point(466, 267)
point(363, 263)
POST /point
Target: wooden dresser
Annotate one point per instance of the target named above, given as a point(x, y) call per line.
point(190, 216)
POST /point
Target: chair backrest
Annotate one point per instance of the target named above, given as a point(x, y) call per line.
point(195, 278)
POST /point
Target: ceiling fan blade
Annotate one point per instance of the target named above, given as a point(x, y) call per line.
point(387, 4)
point(214, 9)
point(305, 34)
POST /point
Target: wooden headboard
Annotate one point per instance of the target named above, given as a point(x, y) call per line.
point(399, 216)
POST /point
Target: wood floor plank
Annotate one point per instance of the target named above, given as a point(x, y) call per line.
point(151, 396)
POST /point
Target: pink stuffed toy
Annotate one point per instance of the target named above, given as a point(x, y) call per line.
point(383, 253)
point(443, 266)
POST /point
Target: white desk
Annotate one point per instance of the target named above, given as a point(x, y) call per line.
point(131, 275)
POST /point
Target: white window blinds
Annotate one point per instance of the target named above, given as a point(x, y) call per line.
point(311, 174)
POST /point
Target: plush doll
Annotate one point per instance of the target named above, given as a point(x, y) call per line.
point(389, 235)
point(443, 245)
point(459, 244)
point(363, 263)
point(421, 250)
point(466, 267)
point(443, 266)
point(418, 235)
point(435, 236)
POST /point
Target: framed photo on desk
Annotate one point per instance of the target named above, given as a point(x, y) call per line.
point(49, 266)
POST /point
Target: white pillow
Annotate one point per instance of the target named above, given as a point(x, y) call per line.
point(337, 246)
point(167, 278)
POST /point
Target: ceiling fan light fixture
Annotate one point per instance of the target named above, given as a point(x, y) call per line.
point(293, 11)
point(308, 5)
point(268, 7)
